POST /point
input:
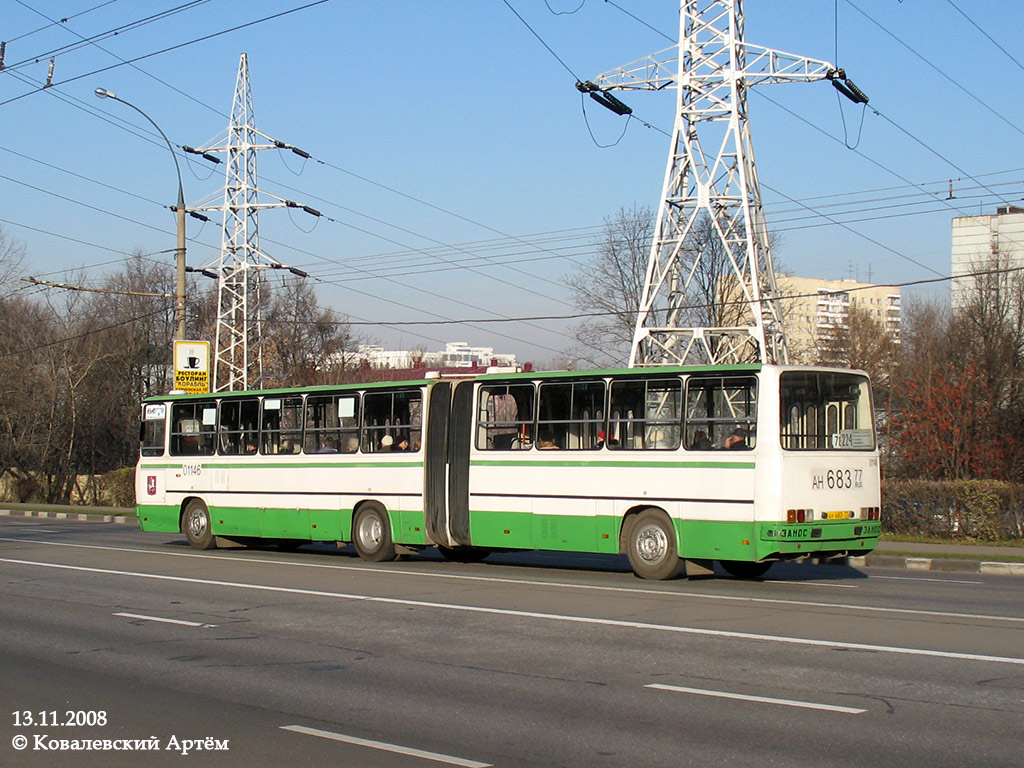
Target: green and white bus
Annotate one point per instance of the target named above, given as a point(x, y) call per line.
point(676, 467)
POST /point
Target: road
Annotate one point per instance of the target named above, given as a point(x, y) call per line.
point(315, 657)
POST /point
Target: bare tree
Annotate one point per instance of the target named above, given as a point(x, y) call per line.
point(610, 286)
point(303, 342)
point(861, 341)
point(12, 257)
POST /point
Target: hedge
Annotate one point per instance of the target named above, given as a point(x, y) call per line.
point(987, 510)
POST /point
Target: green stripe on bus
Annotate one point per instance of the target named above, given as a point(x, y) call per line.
point(498, 529)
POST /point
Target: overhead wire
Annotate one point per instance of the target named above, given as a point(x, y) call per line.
point(588, 245)
point(736, 302)
point(570, 73)
point(176, 47)
point(968, 91)
point(414, 287)
point(94, 42)
point(54, 23)
point(83, 41)
point(992, 40)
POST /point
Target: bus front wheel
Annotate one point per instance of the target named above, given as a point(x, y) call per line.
point(651, 546)
point(195, 523)
point(371, 533)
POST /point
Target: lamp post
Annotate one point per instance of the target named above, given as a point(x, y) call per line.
point(179, 293)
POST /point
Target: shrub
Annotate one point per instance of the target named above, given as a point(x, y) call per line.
point(988, 510)
point(117, 488)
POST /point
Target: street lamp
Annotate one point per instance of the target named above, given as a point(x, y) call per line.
point(179, 293)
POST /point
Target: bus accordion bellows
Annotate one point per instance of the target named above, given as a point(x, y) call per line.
point(677, 467)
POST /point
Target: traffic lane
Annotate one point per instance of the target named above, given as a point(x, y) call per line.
point(658, 604)
point(408, 662)
point(595, 569)
point(536, 715)
point(200, 602)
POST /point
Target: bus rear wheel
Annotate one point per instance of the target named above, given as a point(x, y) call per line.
point(742, 569)
point(195, 524)
point(651, 546)
point(371, 533)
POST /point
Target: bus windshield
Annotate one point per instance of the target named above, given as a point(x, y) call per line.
point(826, 411)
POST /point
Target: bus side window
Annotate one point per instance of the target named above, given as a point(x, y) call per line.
point(505, 417)
point(331, 423)
point(570, 415)
point(193, 428)
point(721, 412)
point(645, 414)
point(281, 425)
point(238, 431)
point(392, 421)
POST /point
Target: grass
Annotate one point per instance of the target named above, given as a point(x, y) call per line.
point(912, 539)
point(957, 556)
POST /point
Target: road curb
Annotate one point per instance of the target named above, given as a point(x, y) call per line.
point(918, 563)
point(93, 517)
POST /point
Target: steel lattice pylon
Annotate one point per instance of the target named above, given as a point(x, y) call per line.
point(710, 287)
point(240, 268)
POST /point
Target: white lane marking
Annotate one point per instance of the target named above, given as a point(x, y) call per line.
point(665, 593)
point(593, 620)
point(812, 584)
point(382, 745)
point(921, 578)
point(758, 699)
point(164, 621)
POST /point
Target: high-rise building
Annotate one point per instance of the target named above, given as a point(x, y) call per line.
point(814, 308)
point(981, 243)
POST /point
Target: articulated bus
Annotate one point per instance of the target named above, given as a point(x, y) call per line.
point(677, 467)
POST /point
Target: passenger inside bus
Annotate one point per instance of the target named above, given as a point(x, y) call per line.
point(737, 440)
point(700, 441)
point(547, 442)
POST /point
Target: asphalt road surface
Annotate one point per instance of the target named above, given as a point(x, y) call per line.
point(121, 648)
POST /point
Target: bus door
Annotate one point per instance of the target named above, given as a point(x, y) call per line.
point(460, 427)
point(435, 463)
point(446, 465)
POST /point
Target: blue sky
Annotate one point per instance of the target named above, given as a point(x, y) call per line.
point(444, 134)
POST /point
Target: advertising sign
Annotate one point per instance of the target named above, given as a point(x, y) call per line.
point(192, 366)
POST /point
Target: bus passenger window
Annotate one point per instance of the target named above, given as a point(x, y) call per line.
point(238, 426)
point(281, 425)
point(505, 417)
point(392, 421)
point(645, 414)
point(332, 421)
point(570, 415)
point(193, 428)
point(721, 413)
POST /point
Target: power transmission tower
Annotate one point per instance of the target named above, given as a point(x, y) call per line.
point(710, 288)
point(238, 349)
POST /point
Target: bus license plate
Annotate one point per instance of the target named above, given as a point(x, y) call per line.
point(843, 515)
